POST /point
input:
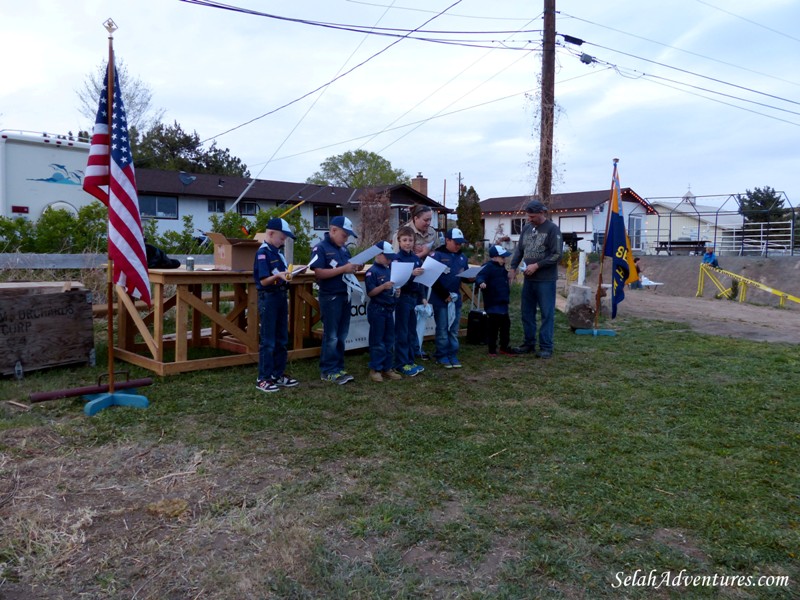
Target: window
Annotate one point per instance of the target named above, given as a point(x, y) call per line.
point(159, 207)
point(323, 215)
point(403, 215)
point(635, 231)
point(517, 225)
point(572, 224)
point(216, 206)
point(247, 208)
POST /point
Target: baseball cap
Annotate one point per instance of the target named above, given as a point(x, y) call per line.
point(281, 225)
point(343, 223)
point(456, 235)
point(534, 206)
point(386, 249)
point(498, 251)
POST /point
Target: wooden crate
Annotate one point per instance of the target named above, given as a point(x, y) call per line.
point(44, 325)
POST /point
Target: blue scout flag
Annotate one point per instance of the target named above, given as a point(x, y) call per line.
point(618, 247)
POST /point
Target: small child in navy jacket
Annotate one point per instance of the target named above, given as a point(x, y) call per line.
point(493, 281)
point(446, 298)
point(380, 315)
point(270, 272)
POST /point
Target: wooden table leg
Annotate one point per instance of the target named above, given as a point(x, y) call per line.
point(181, 319)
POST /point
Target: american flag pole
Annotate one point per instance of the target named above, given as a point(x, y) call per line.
point(111, 27)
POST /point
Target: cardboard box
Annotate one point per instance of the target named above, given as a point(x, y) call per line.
point(233, 254)
point(44, 325)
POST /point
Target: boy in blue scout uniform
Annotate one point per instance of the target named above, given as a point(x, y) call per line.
point(380, 315)
point(446, 298)
point(493, 281)
point(334, 273)
point(405, 319)
point(271, 277)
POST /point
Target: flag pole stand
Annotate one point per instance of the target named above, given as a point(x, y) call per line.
point(97, 402)
point(600, 292)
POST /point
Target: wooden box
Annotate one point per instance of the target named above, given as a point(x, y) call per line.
point(233, 254)
point(43, 325)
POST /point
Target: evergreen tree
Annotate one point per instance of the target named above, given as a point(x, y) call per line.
point(763, 205)
point(468, 212)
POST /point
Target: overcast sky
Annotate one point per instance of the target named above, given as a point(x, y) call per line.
point(213, 70)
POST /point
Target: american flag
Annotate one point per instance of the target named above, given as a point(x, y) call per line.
point(112, 181)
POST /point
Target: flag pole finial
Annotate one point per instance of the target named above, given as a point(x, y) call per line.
point(616, 160)
point(110, 26)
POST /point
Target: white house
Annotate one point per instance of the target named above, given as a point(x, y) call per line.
point(578, 214)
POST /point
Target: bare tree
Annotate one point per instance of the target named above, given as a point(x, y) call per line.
point(136, 96)
point(375, 212)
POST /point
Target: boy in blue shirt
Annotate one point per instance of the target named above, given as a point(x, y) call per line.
point(446, 298)
point(380, 315)
point(493, 281)
point(335, 277)
point(270, 273)
point(405, 318)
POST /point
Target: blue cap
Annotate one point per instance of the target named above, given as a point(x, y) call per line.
point(343, 223)
point(281, 225)
point(386, 249)
point(498, 251)
point(456, 235)
point(534, 206)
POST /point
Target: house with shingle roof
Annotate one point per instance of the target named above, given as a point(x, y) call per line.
point(167, 196)
point(582, 214)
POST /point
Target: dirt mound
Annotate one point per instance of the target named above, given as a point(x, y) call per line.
point(757, 319)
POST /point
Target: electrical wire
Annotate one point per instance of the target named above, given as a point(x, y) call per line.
point(716, 60)
point(791, 37)
point(714, 79)
point(481, 17)
point(324, 85)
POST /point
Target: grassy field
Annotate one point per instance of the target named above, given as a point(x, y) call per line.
point(657, 451)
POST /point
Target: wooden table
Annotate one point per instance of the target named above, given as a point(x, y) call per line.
point(233, 316)
point(197, 294)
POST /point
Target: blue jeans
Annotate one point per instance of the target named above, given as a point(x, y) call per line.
point(446, 335)
point(273, 312)
point(381, 336)
point(335, 312)
point(405, 331)
point(541, 294)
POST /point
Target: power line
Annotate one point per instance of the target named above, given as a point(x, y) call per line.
point(714, 79)
point(716, 60)
point(641, 74)
point(422, 10)
point(324, 85)
point(791, 37)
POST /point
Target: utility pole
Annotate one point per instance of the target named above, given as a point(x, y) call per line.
point(545, 181)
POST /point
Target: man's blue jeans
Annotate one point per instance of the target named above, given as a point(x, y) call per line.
point(446, 334)
point(335, 312)
point(541, 295)
point(273, 312)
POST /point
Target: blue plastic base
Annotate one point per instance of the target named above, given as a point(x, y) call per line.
point(596, 332)
point(97, 402)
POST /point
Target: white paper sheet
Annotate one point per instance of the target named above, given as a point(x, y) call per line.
point(433, 268)
point(471, 272)
point(362, 257)
point(401, 273)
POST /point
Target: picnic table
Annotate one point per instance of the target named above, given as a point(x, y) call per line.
point(681, 247)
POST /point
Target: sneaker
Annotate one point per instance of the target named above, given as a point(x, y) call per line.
point(507, 352)
point(391, 374)
point(330, 377)
point(265, 385)
point(419, 368)
point(344, 377)
point(544, 354)
point(423, 355)
point(454, 363)
point(444, 362)
point(285, 381)
point(524, 349)
point(375, 376)
point(410, 370)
